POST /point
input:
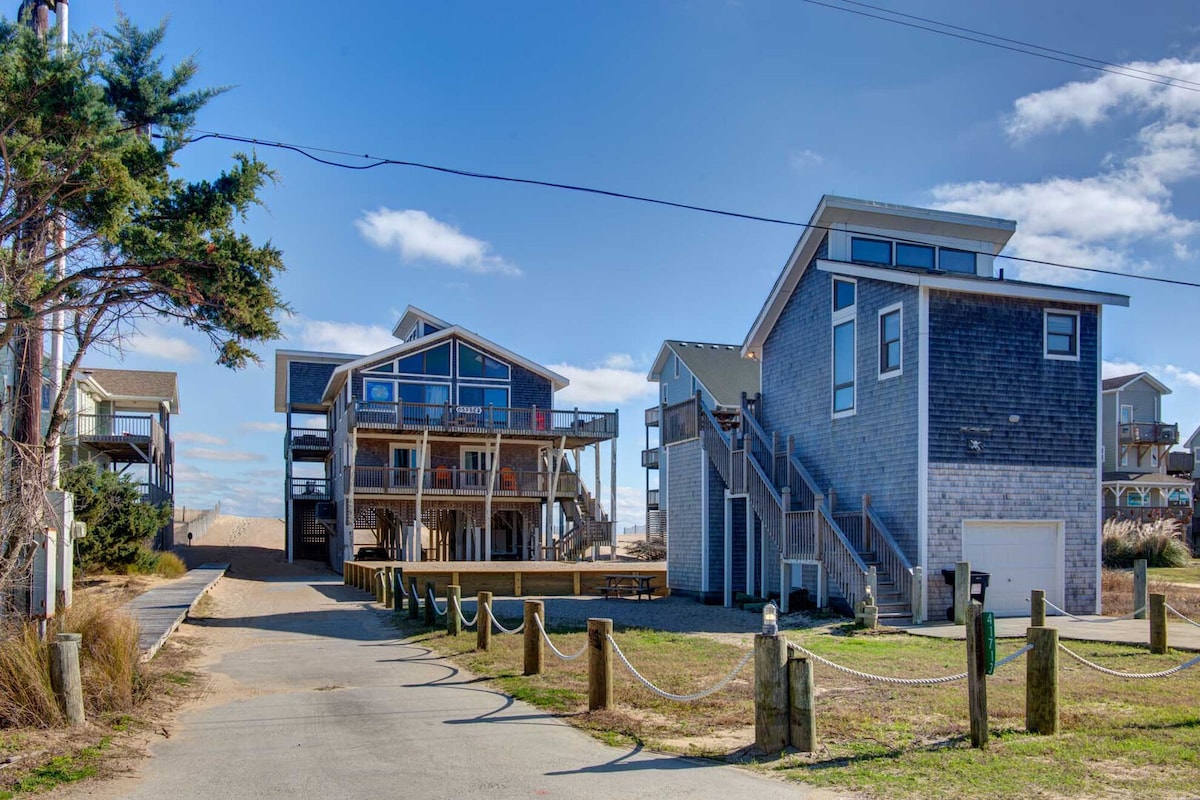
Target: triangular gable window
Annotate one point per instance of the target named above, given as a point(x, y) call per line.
point(434, 361)
point(474, 364)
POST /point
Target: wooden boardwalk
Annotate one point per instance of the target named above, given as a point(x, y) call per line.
point(160, 611)
point(508, 578)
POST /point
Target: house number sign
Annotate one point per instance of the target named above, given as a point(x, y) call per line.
point(469, 409)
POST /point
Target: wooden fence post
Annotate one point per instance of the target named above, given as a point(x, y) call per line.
point(802, 711)
point(600, 685)
point(398, 592)
point(977, 676)
point(414, 600)
point(453, 604)
point(483, 621)
point(64, 675)
point(962, 591)
point(770, 693)
point(1158, 623)
point(535, 649)
point(386, 579)
point(1041, 682)
point(379, 586)
point(430, 602)
point(1037, 608)
point(1139, 588)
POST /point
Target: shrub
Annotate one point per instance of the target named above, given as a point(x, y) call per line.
point(149, 562)
point(109, 664)
point(1159, 542)
point(119, 524)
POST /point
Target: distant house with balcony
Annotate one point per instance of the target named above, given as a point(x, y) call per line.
point(917, 409)
point(445, 446)
point(720, 380)
point(1138, 482)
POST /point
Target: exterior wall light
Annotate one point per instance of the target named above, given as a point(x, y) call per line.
point(770, 615)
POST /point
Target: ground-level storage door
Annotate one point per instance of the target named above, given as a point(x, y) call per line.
point(1020, 556)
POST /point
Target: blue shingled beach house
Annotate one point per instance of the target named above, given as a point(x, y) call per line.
point(916, 409)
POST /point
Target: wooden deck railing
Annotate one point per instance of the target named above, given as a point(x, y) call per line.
point(653, 416)
point(469, 419)
point(1182, 514)
point(844, 567)
point(650, 458)
point(717, 444)
point(680, 422)
point(1148, 433)
point(652, 499)
point(309, 439)
point(117, 425)
point(310, 488)
point(474, 482)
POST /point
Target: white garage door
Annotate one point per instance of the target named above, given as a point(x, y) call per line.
point(1020, 556)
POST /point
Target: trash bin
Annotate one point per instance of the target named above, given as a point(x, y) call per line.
point(979, 584)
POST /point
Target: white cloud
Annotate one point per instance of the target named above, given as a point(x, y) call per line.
point(420, 237)
point(165, 347)
point(340, 337)
point(208, 454)
point(804, 159)
point(611, 383)
point(251, 493)
point(263, 427)
point(198, 438)
point(1172, 375)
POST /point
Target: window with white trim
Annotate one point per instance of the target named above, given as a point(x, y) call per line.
point(891, 351)
point(1061, 335)
point(843, 341)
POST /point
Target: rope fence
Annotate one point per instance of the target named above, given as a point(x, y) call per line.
point(550, 644)
point(441, 612)
point(1182, 617)
point(1129, 675)
point(498, 625)
point(1065, 613)
point(683, 698)
point(458, 610)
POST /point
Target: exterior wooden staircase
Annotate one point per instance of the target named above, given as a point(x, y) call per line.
point(854, 550)
point(588, 523)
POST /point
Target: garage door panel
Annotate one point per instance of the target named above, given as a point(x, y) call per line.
point(1020, 556)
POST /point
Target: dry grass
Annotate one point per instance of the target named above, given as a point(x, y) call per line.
point(1117, 598)
point(169, 565)
point(1160, 542)
point(108, 664)
point(1120, 737)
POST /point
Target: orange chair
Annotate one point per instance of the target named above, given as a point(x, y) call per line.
point(508, 479)
point(442, 478)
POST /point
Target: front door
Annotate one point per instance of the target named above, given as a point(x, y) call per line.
point(403, 473)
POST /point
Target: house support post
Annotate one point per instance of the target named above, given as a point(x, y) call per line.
point(612, 500)
point(412, 552)
point(750, 556)
point(728, 551)
point(557, 455)
point(487, 505)
point(348, 534)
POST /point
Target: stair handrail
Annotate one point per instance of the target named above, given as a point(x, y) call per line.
point(853, 584)
point(810, 483)
point(717, 444)
point(889, 540)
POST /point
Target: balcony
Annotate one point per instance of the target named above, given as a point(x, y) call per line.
point(1148, 433)
point(580, 427)
point(310, 489)
point(459, 482)
point(315, 442)
point(653, 416)
point(131, 438)
point(652, 499)
point(650, 458)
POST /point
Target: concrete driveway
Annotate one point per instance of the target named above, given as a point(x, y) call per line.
point(313, 696)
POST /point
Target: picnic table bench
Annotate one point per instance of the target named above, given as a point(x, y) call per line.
point(627, 585)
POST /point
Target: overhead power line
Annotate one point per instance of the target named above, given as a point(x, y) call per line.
point(1013, 45)
point(310, 152)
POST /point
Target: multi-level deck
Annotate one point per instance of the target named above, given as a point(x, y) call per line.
point(132, 439)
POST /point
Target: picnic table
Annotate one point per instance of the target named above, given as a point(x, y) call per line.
point(624, 585)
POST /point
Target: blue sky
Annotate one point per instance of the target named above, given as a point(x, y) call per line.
point(757, 107)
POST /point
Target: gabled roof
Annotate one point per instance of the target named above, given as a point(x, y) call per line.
point(1193, 441)
point(339, 375)
point(719, 368)
point(135, 385)
point(411, 316)
point(1122, 381)
point(1146, 479)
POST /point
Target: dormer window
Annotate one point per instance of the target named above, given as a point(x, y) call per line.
point(871, 251)
point(951, 260)
point(884, 253)
point(915, 255)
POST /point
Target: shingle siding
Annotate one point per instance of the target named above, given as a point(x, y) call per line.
point(874, 451)
point(986, 364)
point(529, 389)
point(977, 491)
point(307, 381)
point(683, 518)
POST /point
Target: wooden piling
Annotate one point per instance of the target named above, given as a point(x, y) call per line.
point(1140, 585)
point(1037, 608)
point(962, 591)
point(1041, 682)
point(770, 693)
point(977, 676)
point(802, 715)
point(1158, 623)
point(386, 587)
point(535, 647)
point(453, 604)
point(65, 676)
point(414, 600)
point(430, 603)
point(398, 591)
point(483, 621)
point(600, 683)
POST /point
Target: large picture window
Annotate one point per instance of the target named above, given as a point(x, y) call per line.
point(434, 361)
point(474, 364)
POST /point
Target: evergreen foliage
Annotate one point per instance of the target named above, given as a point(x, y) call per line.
point(120, 526)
